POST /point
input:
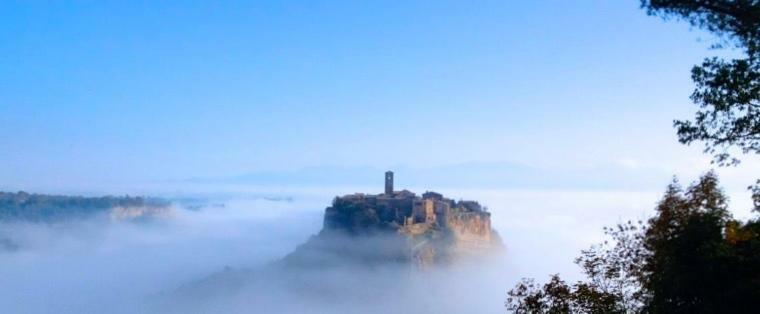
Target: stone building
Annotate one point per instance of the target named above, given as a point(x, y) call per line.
point(388, 182)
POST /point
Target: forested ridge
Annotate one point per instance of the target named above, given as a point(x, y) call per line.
point(23, 206)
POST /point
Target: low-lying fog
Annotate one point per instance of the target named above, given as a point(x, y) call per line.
point(102, 266)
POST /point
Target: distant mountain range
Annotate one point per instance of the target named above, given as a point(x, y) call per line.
point(466, 175)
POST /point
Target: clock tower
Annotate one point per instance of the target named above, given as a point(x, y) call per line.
point(389, 182)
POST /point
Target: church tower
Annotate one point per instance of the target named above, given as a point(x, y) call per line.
point(389, 182)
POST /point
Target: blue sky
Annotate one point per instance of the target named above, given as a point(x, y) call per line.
point(97, 91)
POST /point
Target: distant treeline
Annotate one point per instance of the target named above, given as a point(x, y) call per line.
point(22, 206)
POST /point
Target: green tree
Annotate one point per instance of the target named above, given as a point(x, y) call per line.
point(690, 257)
point(682, 274)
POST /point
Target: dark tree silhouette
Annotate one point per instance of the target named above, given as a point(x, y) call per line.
point(691, 257)
point(727, 91)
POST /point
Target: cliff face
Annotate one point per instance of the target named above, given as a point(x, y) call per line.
point(472, 234)
point(422, 230)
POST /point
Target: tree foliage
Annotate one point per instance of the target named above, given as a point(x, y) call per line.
point(736, 22)
point(690, 257)
point(727, 91)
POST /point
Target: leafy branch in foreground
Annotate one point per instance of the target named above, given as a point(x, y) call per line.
point(727, 91)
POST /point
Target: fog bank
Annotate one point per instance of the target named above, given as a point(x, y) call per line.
point(102, 266)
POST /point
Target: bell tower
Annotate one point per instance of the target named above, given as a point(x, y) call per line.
point(389, 182)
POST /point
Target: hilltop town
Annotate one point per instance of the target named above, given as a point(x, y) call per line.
point(426, 230)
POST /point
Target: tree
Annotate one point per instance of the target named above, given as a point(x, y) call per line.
point(727, 91)
point(612, 285)
point(690, 257)
point(556, 296)
point(685, 240)
point(736, 22)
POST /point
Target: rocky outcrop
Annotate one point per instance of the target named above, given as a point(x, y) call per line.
point(402, 228)
point(364, 253)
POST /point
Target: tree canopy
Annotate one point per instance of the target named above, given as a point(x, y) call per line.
point(727, 91)
point(691, 257)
